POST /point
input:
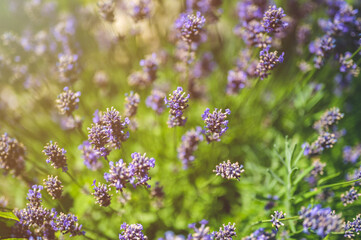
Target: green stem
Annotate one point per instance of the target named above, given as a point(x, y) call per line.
point(354, 54)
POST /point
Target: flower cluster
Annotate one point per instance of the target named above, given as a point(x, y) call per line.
point(229, 170)
point(328, 120)
point(68, 67)
point(156, 101)
point(348, 65)
point(272, 20)
point(12, 154)
point(140, 167)
point(108, 130)
point(148, 74)
point(189, 145)
point(101, 194)
point(354, 227)
point(200, 233)
point(177, 102)
point(268, 61)
point(351, 154)
point(350, 196)
point(67, 101)
point(276, 219)
point(131, 104)
point(322, 221)
point(91, 156)
point(211, 9)
point(68, 223)
point(56, 156)
point(325, 140)
point(119, 175)
point(227, 233)
point(132, 232)
point(216, 124)
point(53, 186)
point(190, 26)
point(34, 195)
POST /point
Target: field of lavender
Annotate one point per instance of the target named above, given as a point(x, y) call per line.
point(180, 119)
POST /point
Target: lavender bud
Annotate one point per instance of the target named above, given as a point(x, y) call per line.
point(268, 61)
point(348, 65)
point(12, 154)
point(276, 219)
point(190, 26)
point(132, 232)
point(200, 233)
point(101, 194)
point(131, 104)
point(325, 140)
point(353, 227)
point(91, 156)
point(272, 20)
point(140, 167)
point(34, 196)
point(237, 80)
point(177, 102)
point(67, 101)
point(227, 233)
point(68, 223)
point(216, 124)
point(329, 119)
point(56, 156)
point(189, 145)
point(119, 175)
point(229, 170)
point(350, 196)
point(53, 186)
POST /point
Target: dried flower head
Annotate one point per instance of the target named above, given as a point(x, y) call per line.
point(53, 186)
point(56, 156)
point(12, 154)
point(229, 170)
point(67, 101)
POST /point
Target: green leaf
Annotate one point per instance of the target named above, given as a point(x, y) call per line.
point(8, 215)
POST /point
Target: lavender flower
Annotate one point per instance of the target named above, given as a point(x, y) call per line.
point(119, 175)
point(156, 101)
point(320, 47)
point(316, 171)
point(106, 9)
point(98, 136)
point(67, 101)
point(272, 20)
point(268, 61)
point(237, 80)
point(350, 196)
point(53, 186)
point(251, 10)
point(328, 119)
point(253, 34)
point(68, 67)
point(34, 195)
point(12, 154)
point(101, 194)
point(189, 145)
point(140, 10)
point(150, 66)
point(276, 219)
point(91, 156)
point(351, 154)
point(322, 221)
point(169, 235)
point(229, 170)
point(131, 104)
point(139, 79)
point(348, 65)
point(227, 233)
point(356, 175)
point(190, 26)
point(353, 227)
point(216, 124)
point(56, 156)
point(140, 167)
point(200, 233)
point(325, 140)
point(132, 232)
point(68, 223)
point(211, 9)
point(177, 102)
point(261, 234)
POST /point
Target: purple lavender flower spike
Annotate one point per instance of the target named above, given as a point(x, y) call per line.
point(91, 156)
point(68, 67)
point(353, 227)
point(325, 140)
point(67, 101)
point(101, 194)
point(237, 80)
point(216, 124)
point(12, 155)
point(348, 65)
point(177, 102)
point(276, 219)
point(119, 175)
point(68, 223)
point(140, 167)
point(272, 20)
point(190, 26)
point(328, 120)
point(156, 101)
point(53, 186)
point(189, 145)
point(34, 195)
point(131, 104)
point(351, 154)
point(132, 232)
point(350, 196)
point(322, 221)
point(229, 170)
point(268, 61)
point(200, 233)
point(227, 233)
point(56, 156)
